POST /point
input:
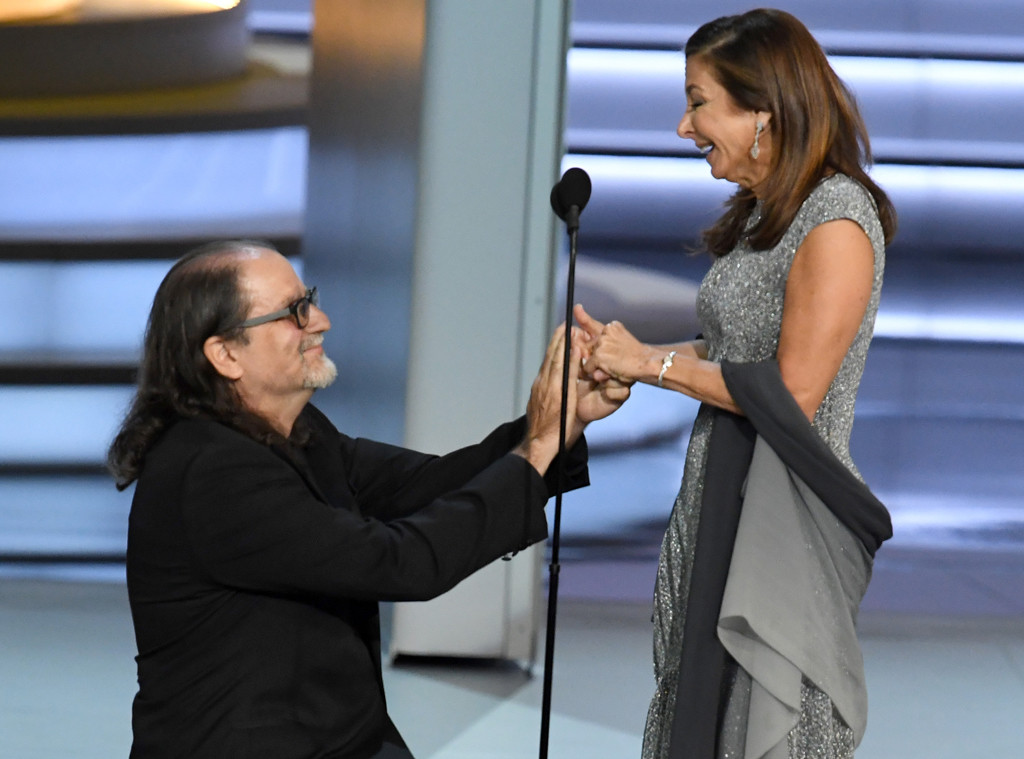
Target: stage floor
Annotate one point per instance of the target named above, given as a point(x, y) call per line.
point(941, 687)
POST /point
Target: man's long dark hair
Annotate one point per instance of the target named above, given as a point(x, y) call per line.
point(199, 297)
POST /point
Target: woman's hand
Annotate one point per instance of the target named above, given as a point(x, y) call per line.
point(595, 399)
point(612, 353)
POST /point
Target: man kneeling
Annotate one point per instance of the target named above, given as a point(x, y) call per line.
point(261, 539)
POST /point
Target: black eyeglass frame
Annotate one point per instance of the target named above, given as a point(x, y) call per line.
point(298, 310)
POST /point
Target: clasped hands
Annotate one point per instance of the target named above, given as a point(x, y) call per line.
point(611, 356)
point(599, 383)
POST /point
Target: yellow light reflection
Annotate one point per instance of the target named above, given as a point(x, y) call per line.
point(31, 10)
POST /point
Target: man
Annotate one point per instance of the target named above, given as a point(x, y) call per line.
point(261, 539)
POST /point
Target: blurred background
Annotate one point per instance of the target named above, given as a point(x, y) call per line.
point(109, 170)
point(100, 189)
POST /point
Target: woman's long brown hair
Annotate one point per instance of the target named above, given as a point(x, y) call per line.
point(768, 61)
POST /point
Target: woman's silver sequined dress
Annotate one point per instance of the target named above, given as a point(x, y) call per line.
point(740, 308)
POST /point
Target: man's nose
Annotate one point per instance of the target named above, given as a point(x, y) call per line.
point(318, 320)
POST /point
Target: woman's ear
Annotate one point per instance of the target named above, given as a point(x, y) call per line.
point(218, 352)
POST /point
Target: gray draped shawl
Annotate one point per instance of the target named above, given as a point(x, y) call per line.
point(782, 560)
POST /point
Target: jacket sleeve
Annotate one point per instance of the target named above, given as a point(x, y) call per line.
point(390, 482)
point(253, 523)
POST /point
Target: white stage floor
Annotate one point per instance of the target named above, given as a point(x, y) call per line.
point(941, 687)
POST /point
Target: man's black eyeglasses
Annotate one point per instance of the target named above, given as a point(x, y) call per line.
point(298, 310)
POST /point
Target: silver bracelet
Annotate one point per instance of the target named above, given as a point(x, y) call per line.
point(665, 364)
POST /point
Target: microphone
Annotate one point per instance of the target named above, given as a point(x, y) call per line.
point(569, 196)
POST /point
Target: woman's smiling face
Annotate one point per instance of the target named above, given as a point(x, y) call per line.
point(723, 130)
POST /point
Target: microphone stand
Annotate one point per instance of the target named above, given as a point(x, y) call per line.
point(572, 221)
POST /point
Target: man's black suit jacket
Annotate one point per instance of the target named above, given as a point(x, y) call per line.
point(254, 574)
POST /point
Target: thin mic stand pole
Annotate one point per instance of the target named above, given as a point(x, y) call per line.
point(573, 224)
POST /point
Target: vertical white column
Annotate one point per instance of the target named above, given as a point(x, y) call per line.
point(482, 278)
point(435, 140)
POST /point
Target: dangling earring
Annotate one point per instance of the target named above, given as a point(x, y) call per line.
point(755, 149)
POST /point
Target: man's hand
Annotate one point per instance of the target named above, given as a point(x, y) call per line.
point(543, 411)
point(596, 400)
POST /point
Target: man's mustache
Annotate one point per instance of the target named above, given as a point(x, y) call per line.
point(310, 342)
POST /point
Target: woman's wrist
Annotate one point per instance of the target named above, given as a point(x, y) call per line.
point(653, 363)
point(666, 362)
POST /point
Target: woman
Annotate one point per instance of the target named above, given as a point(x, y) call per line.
point(769, 546)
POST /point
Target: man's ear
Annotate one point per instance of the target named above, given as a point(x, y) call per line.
point(218, 352)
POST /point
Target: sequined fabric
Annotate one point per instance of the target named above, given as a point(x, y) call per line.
point(740, 307)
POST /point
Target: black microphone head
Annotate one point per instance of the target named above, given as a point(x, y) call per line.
point(573, 189)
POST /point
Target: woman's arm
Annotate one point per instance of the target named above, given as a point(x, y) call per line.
point(615, 353)
point(827, 292)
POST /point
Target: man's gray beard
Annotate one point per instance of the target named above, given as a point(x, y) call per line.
point(319, 377)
